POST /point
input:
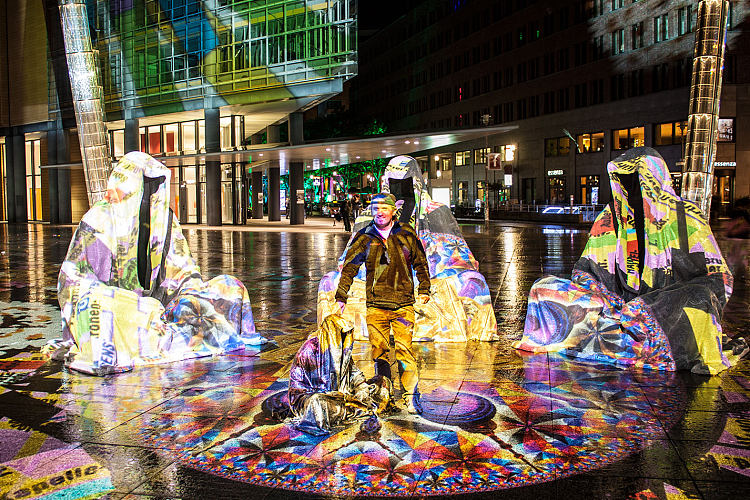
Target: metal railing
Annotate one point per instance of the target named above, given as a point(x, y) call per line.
point(587, 212)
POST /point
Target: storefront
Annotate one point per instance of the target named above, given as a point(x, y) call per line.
point(556, 191)
point(723, 189)
point(588, 189)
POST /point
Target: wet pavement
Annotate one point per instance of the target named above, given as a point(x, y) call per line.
point(496, 423)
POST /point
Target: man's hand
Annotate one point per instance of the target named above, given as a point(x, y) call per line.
point(341, 306)
point(423, 298)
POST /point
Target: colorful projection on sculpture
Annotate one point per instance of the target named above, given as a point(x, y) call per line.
point(176, 53)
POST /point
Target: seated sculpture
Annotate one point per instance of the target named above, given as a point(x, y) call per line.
point(650, 287)
point(460, 307)
point(326, 388)
point(130, 293)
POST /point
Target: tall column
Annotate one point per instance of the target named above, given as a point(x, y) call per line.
point(83, 69)
point(64, 209)
point(705, 94)
point(54, 214)
point(19, 177)
point(257, 185)
point(132, 135)
point(244, 184)
point(296, 132)
point(274, 188)
point(213, 167)
point(236, 205)
point(10, 184)
point(273, 134)
point(296, 186)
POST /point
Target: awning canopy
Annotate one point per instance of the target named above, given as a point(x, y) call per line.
point(335, 152)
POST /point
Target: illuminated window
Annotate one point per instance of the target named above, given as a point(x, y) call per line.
point(463, 158)
point(557, 146)
point(118, 143)
point(188, 137)
point(589, 189)
point(462, 192)
point(591, 143)
point(4, 180)
point(169, 137)
point(480, 155)
point(669, 133)
point(628, 138)
point(34, 179)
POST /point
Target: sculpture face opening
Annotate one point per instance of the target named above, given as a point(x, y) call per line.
point(403, 190)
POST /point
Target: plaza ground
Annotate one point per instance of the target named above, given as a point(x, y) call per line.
point(499, 423)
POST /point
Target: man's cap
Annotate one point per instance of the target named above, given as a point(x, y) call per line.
point(384, 199)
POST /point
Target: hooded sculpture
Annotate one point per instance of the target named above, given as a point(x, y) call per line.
point(129, 290)
point(650, 286)
point(460, 308)
point(325, 386)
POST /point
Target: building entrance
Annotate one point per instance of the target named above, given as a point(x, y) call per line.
point(557, 189)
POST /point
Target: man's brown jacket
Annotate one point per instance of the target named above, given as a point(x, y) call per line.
point(388, 265)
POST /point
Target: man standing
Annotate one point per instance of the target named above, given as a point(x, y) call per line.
point(344, 206)
point(390, 251)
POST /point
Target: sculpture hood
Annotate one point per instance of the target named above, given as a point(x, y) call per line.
point(637, 237)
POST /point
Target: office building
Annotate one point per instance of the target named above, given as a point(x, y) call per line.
point(582, 80)
point(179, 78)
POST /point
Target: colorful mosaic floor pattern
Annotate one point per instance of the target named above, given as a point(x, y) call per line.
point(557, 419)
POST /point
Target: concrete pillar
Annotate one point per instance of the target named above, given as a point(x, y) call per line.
point(64, 208)
point(296, 184)
point(256, 138)
point(132, 135)
point(243, 194)
point(257, 186)
point(273, 134)
point(54, 214)
point(296, 131)
point(213, 167)
point(19, 177)
point(10, 184)
point(274, 187)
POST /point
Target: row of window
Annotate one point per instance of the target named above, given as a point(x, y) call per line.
point(134, 52)
point(182, 137)
point(663, 76)
point(265, 17)
point(553, 61)
point(665, 134)
point(554, 21)
point(621, 86)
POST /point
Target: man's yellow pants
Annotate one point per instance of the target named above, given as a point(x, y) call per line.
point(380, 324)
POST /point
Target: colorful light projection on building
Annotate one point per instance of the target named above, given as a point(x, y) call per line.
point(169, 56)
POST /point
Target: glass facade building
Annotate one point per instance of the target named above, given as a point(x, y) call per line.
point(178, 77)
point(167, 56)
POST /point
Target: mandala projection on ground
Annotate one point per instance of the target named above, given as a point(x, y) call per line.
point(546, 419)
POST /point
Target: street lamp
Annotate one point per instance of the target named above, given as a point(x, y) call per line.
point(485, 122)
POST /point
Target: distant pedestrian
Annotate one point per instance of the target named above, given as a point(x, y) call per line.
point(356, 206)
point(345, 212)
